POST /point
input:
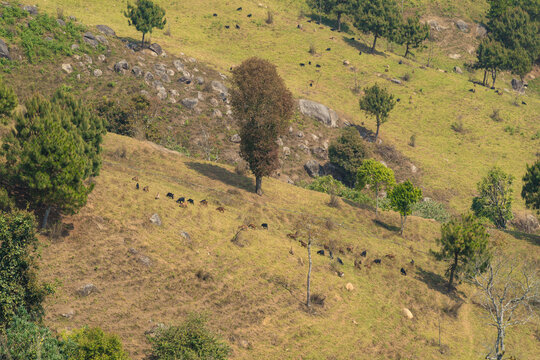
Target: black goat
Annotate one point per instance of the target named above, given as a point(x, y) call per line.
point(181, 200)
point(320, 252)
point(377, 261)
point(137, 186)
point(363, 253)
point(191, 201)
point(264, 226)
point(340, 261)
point(403, 272)
point(170, 195)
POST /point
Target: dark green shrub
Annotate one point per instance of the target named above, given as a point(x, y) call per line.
point(8, 101)
point(94, 344)
point(189, 341)
point(327, 184)
point(347, 152)
point(6, 203)
point(119, 120)
point(25, 340)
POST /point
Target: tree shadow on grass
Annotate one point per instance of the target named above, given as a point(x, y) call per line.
point(216, 172)
point(365, 133)
point(386, 226)
point(532, 238)
point(360, 46)
point(330, 22)
point(358, 205)
point(438, 283)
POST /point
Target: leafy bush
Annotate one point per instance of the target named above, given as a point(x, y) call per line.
point(6, 203)
point(189, 341)
point(25, 340)
point(327, 184)
point(431, 210)
point(94, 343)
point(8, 101)
point(119, 120)
point(347, 152)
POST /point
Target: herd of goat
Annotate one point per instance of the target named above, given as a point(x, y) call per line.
point(183, 203)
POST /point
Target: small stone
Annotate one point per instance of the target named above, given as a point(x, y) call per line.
point(190, 103)
point(454, 56)
point(87, 290)
point(458, 70)
point(244, 343)
point(236, 138)
point(61, 22)
point(286, 151)
point(106, 30)
point(186, 236)
point(68, 314)
point(200, 80)
point(148, 77)
point(217, 114)
point(87, 59)
point(137, 71)
point(312, 168)
point(75, 47)
point(214, 102)
point(178, 65)
point(349, 287)
point(67, 68)
point(155, 219)
point(121, 66)
point(102, 40)
point(407, 313)
point(98, 72)
point(462, 25)
point(279, 142)
point(4, 51)
point(300, 134)
point(200, 96)
point(396, 81)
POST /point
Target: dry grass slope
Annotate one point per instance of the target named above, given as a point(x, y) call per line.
point(147, 274)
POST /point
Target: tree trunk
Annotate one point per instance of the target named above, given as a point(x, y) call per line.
point(452, 271)
point(499, 346)
point(494, 76)
point(320, 13)
point(46, 217)
point(308, 299)
point(374, 43)
point(339, 22)
point(376, 200)
point(258, 185)
point(406, 51)
point(377, 132)
point(142, 46)
point(485, 78)
point(403, 219)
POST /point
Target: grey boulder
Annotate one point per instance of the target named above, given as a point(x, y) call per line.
point(320, 112)
point(106, 30)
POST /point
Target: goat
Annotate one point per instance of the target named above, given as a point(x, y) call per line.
point(242, 227)
point(249, 15)
point(357, 263)
point(191, 201)
point(203, 203)
point(390, 256)
point(472, 90)
point(181, 200)
point(320, 252)
point(215, 14)
point(363, 253)
point(251, 226)
point(403, 272)
point(157, 196)
point(377, 261)
point(239, 9)
point(291, 251)
point(303, 243)
point(293, 236)
point(309, 62)
point(135, 178)
point(221, 209)
point(237, 26)
point(227, 26)
point(146, 189)
point(137, 186)
point(330, 254)
point(170, 195)
point(183, 205)
point(340, 261)
point(328, 49)
point(302, 64)
point(412, 262)
point(317, 66)
point(350, 249)
point(264, 226)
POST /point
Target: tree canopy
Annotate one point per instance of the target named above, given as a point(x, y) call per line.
point(377, 102)
point(531, 186)
point(495, 197)
point(347, 153)
point(412, 33)
point(331, 7)
point(8, 101)
point(377, 176)
point(463, 240)
point(145, 16)
point(402, 198)
point(263, 105)
point(377, 17)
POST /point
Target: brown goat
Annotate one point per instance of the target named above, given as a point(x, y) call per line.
point(303, 243)
point(183, 205)
point(390, 256)
point(221, 209)
point(204, 203)
point(252, 226)
point(135, 178)
point(146, 189)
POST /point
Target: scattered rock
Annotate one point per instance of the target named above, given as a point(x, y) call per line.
point(300, 134)
point(312, 168)
point(236, 138)
point(87, 290)
point(175, 92)
point(454, 56)
point(434, 25)
point(104, 29)
point(32, 10)
point(87, 59)
point(155, 329)
point(61, 22)
point(148, 77)
point(346, 62)
point(244, 343)
point(349, 287)
point(458, 70)
point(286, 151)
point(219, 87)
point(304, 148)
point(517, 85)
point(407, 313)
point(320, 152)
point(90, 39)
point(137, 71)
point(200, 80)
point(200, 96)
point(165, 78)
point(462, 26)
point(156, 48)
point(481, 31)
point(68, 313)
point(217, 114)
point(186, 236)
point(98, 72)
point(121, 66)
point(279, 142)
point(192, 60)
point(162, 93)
point(145, 260)
point(4, 50)
point(396, 81)
point(178, 65)
point(75, 47)
point(319, 111)
point(102, 40)
point(190, 103)
point(72, 18)
point(214, 102)
point(155, 219)
point(67, 68)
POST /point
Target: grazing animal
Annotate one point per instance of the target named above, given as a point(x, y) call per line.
point(360, 53)
point(221, 209)
point(317, 66)
point(137, 186)
point(264, 226)
point(181, 200)
point(242, 227)
point(146, 189)
point(157, 196)
point(170, 195)
point(523, 102)
point(251, 226)
point(340, 261)
point(191, 201)
point(302, 64)
point(358, 263)
point(330, 254)
point(215, 14)
point(377, 261)
point(390, 256)
point(363, 253)
point(398, 99)
point(320, 252)
point(249, 15)
point(349, 249)
point(135, 178)
point(328, 49)
point(203, 203)
point(237, 26)
point(340, 273)
point(403, 272)
point(293, 236)
point(227, 26)
point(291, 251)
point(326, 247)
point(183, 205)
point(309, 21)
point(239, 9)
point(303, 243)
point(298, 26)
point(472, 90)
point(310, 84)
point(309, 62)
point(412, 262)
point(368, 266)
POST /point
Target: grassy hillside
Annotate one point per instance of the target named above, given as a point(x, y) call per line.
point(147, 274)
point(450, 162)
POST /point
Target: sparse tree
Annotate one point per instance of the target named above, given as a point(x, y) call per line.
point(145, 16)
point(377, 176)
point(495, 197)
point(402, 198)
point(377, 17)
point(412, 33)
point(347, 153)
point(531, 186)
point(8, 101)
point(463, 240)
point(263, 106)
point(331, 7)
point(50, 154)
point(491, 56)
point(377, 102)
point(509, 293)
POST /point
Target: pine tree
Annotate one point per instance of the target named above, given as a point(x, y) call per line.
point(263, 106)
point(145, 16)
point(8, 101)
point(491, 57)
point(531, 186)
point(495, 197)
point(378, 102)
point(377, 17)
point(412, 33)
